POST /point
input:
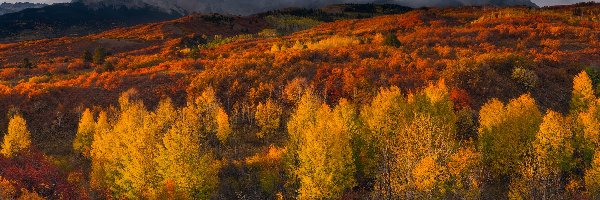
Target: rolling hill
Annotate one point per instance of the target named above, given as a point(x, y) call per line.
point(452, 75)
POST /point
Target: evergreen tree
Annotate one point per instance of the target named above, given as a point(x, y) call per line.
point(99, 56)
point(26, 64)
point(391, 40)
point(106, 67)
point(87, 57)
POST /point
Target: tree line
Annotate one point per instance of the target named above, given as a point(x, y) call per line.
point(398, 146)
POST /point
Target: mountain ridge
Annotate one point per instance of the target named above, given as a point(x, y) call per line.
point(6, 8)
point(83, 17)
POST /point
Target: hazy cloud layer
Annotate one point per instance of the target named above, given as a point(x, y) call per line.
point(254, 6)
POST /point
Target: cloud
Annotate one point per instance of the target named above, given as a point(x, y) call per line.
point(245, 7)
point(557, 2)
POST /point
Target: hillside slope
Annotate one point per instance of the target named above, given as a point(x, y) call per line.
point(249, 107)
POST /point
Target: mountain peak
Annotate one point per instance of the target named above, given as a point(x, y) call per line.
point(246, 7)
point(166, 6)
point(16, 7)
point(456, 3)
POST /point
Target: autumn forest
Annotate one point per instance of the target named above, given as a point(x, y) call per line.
point(344, 102)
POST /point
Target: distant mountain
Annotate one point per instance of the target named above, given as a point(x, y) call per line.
point(168, 6)
point(71, 19)
point(16, 7)
point(457, 3)
point(84, 17)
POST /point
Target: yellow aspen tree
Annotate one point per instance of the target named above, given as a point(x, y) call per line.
point(268, 118)
point(539, 175)
point(384, 118)
point(420, 157)
point(592, 177)
point(415, 138)
point(552, 146)
point(85, 133)
point(181, 160)
point(326, 167)
point(102, 149)
point(465, 171)
point(164, 117)
point(304, 117)
point(583, 93)
point(223, 128)
point(135, 160)
point(212, 119)
point(589, 122)
point(506, 133)
point(143, 171)
point(18, 138)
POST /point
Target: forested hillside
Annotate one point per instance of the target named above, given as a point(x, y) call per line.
point(455, 103)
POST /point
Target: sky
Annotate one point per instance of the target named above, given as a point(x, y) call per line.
point(538, 2)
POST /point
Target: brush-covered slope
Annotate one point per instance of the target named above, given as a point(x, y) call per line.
point(473, 54)
point(476, 50)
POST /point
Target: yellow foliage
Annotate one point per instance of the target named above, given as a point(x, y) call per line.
point(506, 132)
point(592, 177)
point(583, 93)
point(423, 137)
point(268, 117)
point(406, 131)
point(334, 42)
point(145, 153)
point(17, 139)
point(465, 169)
point(437, 92)
point(426, 173)
point(7, 190)
point(270, 167)
point(180, 162)
point(223, 128)
point(274, 154)
point(590, 121)
point(378, 38)
point(27, 195)
point(85, 133)
point(298, 45)
point(275, 48)
point(381, 115)
point(326, 168)
point(101, 154)
point(552, 145)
